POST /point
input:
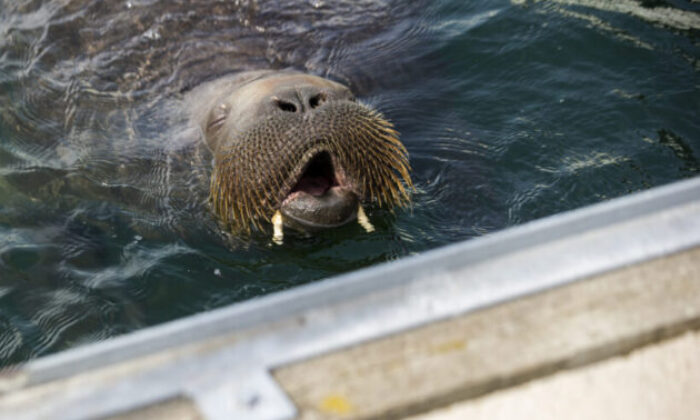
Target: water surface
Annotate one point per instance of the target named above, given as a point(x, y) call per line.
point(510, 110)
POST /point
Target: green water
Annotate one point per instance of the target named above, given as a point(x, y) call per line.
point(510, 110)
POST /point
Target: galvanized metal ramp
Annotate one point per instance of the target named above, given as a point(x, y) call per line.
point(406, 337)
point(502, 346)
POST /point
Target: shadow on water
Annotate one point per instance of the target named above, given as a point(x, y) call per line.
point(510, 110)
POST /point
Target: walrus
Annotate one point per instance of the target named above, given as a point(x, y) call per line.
point(296, 150)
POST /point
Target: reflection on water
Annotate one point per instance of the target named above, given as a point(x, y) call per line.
point(511, 111)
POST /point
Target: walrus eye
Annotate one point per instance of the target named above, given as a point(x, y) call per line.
point(286, 106)
point(218, 117)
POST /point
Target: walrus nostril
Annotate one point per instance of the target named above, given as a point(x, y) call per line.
point(317, 100)
point(286, 106)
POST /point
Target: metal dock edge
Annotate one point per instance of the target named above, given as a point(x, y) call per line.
point(404, 337)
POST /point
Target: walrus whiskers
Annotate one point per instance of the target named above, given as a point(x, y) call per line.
point(363, 144)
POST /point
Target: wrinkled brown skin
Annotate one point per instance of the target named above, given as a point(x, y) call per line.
point(246, 98)
point(233, 104)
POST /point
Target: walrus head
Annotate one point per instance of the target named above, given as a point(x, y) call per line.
point(299, 147)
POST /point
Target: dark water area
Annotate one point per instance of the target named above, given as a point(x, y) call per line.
point(510, 111)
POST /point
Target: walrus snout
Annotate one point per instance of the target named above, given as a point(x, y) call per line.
point(321, 198)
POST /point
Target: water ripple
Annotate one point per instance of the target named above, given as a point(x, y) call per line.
point(135, 262)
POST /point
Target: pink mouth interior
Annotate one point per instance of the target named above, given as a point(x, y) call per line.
point(318, 177)
point(314, 185)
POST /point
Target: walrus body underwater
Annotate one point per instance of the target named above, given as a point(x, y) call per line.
point(296, 150)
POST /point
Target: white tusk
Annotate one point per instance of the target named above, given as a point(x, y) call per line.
point(363, 220)
point(277, 235)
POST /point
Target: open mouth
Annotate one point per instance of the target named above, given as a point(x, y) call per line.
point(320, 199)
point(318, 177)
